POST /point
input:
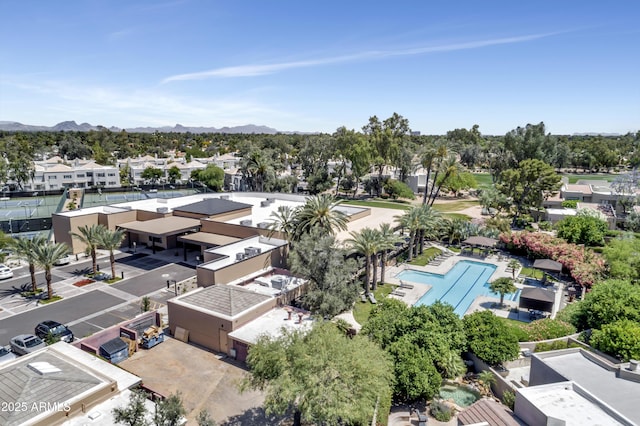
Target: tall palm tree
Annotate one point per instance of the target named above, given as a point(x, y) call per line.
point(450, 168)
point(24, 248)
point(89, 235)
point(388, 240)
point(410, 220)
point(284, 221)
point(46, 255)
point(430, 224)
point(111, 240)
point(320, 211)
point(365, 243)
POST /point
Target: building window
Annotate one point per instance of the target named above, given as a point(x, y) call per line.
point(80, 175)
point(52, 177)
point(100, 175)
point(111, 174)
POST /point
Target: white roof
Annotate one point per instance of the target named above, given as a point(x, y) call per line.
point(272, 323)
point(230, 250)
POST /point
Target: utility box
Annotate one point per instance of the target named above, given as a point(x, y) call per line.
point(114, 351)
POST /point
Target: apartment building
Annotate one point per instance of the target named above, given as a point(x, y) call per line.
point(56, 173)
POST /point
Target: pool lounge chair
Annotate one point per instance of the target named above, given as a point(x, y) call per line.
point(405, 285)
point(363, 298)
point(398, 293)
point(372, 299)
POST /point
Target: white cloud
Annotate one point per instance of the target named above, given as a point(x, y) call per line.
point(256, 70)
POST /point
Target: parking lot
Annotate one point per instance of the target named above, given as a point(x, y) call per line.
point(205, 379)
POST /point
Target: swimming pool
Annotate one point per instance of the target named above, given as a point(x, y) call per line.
point(458, 287)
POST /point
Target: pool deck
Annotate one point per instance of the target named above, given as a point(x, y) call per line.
point(411, 296)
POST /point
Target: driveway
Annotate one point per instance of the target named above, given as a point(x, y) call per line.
point(205, 380)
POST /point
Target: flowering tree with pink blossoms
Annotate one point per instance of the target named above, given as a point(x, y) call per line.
point(584, 266)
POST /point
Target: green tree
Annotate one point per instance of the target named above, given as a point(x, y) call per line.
point(151, 174)
point(46, 255)
point(396, 189)
point(619, 338)
point(212, 176)
point(583, 229)
point(609, 301)
point(89, 235)
point(169, 411)
point(321, 211)
point(528, 185)
point(284, 222)
point(134, 413)
point(486, 379)
point(111, 240)
point(489, 338)
point(502, 285)
point(415, 373)
point(318, 258)
point(24, 249)
point(458, 182)
point(411, 220)
point(623, 258)
point(174, 174)
point(325, 377)
point(493, 201)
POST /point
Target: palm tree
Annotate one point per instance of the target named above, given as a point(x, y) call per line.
point(320, 211)
point(514, 265)
point(24, 248)
point(451, 168)
point(388, 240)
point(502, 285)
point(430, 223)
point(46, 255)
point(486, 379)
point(111, 240)
point(89, 235)
point(365, 243)
point(410, 220)
point(284, 221)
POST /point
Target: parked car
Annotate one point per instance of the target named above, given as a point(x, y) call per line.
point(101, 276)
point(55, 329)
point(6, 355)
point(63, 260)
point(26, 343)
point(5, 272)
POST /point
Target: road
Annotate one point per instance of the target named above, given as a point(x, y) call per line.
point(103, 307)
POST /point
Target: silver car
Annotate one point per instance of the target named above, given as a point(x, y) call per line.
point(5, 272)
point(6, 355)
point(26, 343)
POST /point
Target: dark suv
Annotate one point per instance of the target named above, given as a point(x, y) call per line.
point(55, 330)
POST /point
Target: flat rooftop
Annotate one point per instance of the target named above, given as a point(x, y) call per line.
point(93, 210)
point(226, 255)
point(212, 206)
point(623, 395)
point(271, 324)
point(564, 401)
point(222, 300)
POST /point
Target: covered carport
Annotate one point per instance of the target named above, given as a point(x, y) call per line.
point(204, 241)
point(159, 233)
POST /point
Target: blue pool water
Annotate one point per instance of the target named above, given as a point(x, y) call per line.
point(458, 287)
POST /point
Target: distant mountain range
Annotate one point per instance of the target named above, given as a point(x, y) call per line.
point(72, 126)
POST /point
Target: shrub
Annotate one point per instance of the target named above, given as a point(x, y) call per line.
point(545, 226)
point(509, 399)
point(397, 189)
point(620, 339)
point(440, 411)
point(570, 204)
point(548, 328)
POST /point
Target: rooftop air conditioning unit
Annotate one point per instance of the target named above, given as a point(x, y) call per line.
point(239, 256)
point(162, 209)
point(265, 203)
point(263, 225)
point(246, 222)
point(224, 197)
point(252, 251)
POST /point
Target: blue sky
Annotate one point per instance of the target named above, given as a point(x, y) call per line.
point(316, 66)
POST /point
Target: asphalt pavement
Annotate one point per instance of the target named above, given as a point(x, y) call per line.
point(96, 306)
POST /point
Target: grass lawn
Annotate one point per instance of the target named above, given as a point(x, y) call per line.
point(573, 178)
point(531, 272)
point(484, 180)
point(362, 310)
point(427, 254)
point(455, 206)
point(456, 216)
point(400, 205)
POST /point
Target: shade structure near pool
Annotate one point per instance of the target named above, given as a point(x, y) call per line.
point(459, 287)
